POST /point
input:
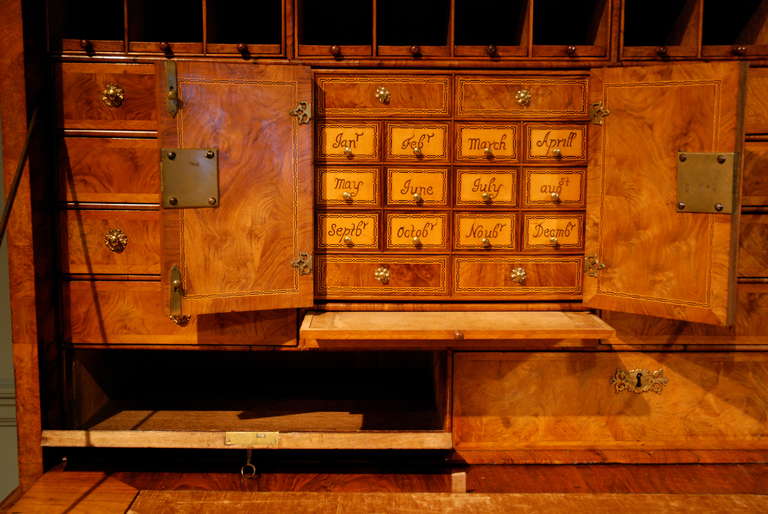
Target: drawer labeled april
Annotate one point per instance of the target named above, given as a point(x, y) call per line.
point(341, 231)
point(415, 232)
point(484, 231)
point(553, 188)
point(486, 142)
point(348, 141)
point(486, 187)
point(351, 187)
point(555, 143)
point(417, 187)
point(417, 141)
point(553, 232)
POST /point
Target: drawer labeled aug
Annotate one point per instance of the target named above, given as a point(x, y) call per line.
point(486, 142)
point(553, 188)
point(417, 141)
point(484, 231)
point(486, 187)
point(541, 277)
point(348, 231)
point(417, 187)
point(348, 141)
point(555, 143)
point(417, 231)
point(340, 187)
point(553, 232)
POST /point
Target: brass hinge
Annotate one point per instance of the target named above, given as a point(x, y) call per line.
point(592, 266)
point(172, 88)
point(597, 112)
point(177, 293)
point(303, 112)
point(303, 263)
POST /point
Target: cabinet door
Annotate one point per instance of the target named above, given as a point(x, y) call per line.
point(239, 255)
point(660, 260)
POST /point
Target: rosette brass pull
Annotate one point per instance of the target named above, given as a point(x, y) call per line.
point(518, 275)
point(113, 95)
point(523, 97)
point(381, 274)
point(382, 95)
point(116, 240)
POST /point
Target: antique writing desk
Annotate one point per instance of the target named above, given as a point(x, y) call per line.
point(522, 231)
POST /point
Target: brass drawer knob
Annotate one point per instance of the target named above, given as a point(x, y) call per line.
point(348, 241)
point(662, 51)
point(382, 95)
point(417, 151)
point(348, 152)
point(416, 241)
point(553, 241)
point(485, 242)
point(557, 153)
point(335, 50)
point(488, 152)
point(523, 97)
point(486, 197)
point(518, 275)
point(740, 50)
point(415, 50)
point(347, 196)
point(492, 51)
point(116, 240)
point(639, 381)
point(417, 198)
point(382, 274)
point(555, 196)
point(113, 95)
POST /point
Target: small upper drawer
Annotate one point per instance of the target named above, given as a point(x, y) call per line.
point(348, 231)
point(754, 187)
point(484, 231)
point(383, 95)
point(348, 141)
point(417, 187)
point(486, 142)
point(487, 187)
point(352, 187)
point(108, 96)
point(521, 97)
point(417, 142)
point(417, 231)
point(553, 232)
point(110, 242)
point(756, 109)
point(555, 143)
point(553, 188)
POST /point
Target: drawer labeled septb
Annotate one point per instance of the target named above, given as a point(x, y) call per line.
point(417, 187)
point(349, 141)
point(545, 277)
point(348, 231)
point(553, 188)
point(484, 231)
point(491, 187)
point(417, 141)
point(348, 186)
point(553, 232)
point(486, 142)
point(556, 143)
point(414, 232)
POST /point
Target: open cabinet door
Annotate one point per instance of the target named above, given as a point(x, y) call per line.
point(245, 243)
point(646, 253)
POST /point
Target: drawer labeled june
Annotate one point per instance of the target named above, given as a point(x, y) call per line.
point(555, 143)
point(348, 186)
point(348, 231)
point(556, 188)
point(484, 231)
point(415, 141)
point(553, 232)
point(418, 187)
point(348, 141)
point(413, 232)
point(541, 277)
point(488, 187)
point(486, 142)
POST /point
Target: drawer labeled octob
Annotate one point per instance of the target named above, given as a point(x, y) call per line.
point(553, 232)
point(486, 142)
point(556, 142)
point(492, 187)
point(553, 188)
point(349, 141)
point(414, 141)
point(348, 186)
point(348, 231)
point(484, 231)
point(417, 187)
point(405, 231)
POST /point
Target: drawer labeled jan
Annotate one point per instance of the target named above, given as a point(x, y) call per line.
point(486, 187)
point(348, 141)
point(348, 231)
point(553, 232)
point(416, 142)
point(406, 231)
point(497, 231)
point(348, 187)
point(417, 187)
point(487, 142)
point(555, 143)
point(554, 188)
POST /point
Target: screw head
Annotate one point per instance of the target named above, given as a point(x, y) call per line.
point(171, 155)
point(683, 157)
point(211, 200)
point(210, 154)
point(721, 159)
point(681, 206)
point(719, 207)
point(173, 200)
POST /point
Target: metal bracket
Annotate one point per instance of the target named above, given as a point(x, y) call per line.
point(177, 293)
point(597, 112)
point(172, 88)
point(190, 177)
point(303, 112)
point(705, 182)
point(303, 263)
point(252, 439)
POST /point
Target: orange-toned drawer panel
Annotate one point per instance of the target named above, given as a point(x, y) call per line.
point(550, 277)
point(351, 187)
point(756, 109)
point(348, 141)
point(753, 245)
point(754, 186)
point(105, 241)
point(380, 276)
point(347, 231)
point(417, 231)
point(95, 169)
point(484, 231)
point(383, 95)
point(486, 142)
point(486, 187)
point(417, 187)
point(555, 143)
point(553, 232)
point(553, 188)
point(509, 97)
point(108, 96)
point(417, 141)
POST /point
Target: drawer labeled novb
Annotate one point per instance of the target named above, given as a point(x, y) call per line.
point(349, 141)
point(484, 231)
point(553, 232)
point(486, 187)
point(417, 187)
point(553, 188)
point(486, 142)
point(541, 277)
point(348, 231)
point(556, 143)
point(348, 186)
point(414, 231)
point(417, 141)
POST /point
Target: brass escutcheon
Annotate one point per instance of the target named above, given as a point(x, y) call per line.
point(113, 95)
point(381, 274)
point(523, 97)
point(518, 275)
point(116, 240)
point(639, 380)
point(382, 95)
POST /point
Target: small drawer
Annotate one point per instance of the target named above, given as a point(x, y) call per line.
point(348, 231)
point(383, 95)
point(108, 96)
point(417, 187)
point(754, 186)
point(756, 108)
point(110, 242)
point(486, 142)
point(417, 231)
point(550, 277)
point(351, 187)
point(109, 170)
point(553, 232)
point(417, 141)
point(753, 246)
point(555, 143)
point(553, 188)
point(521, 97)
point(484, 231)
point(358, 276)
point(348, 141)
point(486, 187)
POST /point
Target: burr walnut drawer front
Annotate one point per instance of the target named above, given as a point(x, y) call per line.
point(383, 95)
point(410, 232)
point(110, 242)
point(375, 276)
point(423, 187)
point(487, 142)
point(555, 143)
point(553, 188)
point(348, 187)
point(610, 401)
point(348, 231)
point(416, 142)
point(552, 232)
point(107, 96)
point(478, 187)
point(348, 141)
point(541, 277)
point(521, 97)
point(755, 184)
point(495, 231)
point(753, 245)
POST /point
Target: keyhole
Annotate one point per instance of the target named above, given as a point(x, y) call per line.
point(639, 377)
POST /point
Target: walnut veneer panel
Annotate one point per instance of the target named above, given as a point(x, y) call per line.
point(83, 242)
point(753, 245)
point(81, 90)
point(491, 277)
point(756, 112)
point(109, 170)
point(754, 184)
point(566, 401)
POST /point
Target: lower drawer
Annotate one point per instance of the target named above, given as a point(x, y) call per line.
point(376, 276)
point(520, 401)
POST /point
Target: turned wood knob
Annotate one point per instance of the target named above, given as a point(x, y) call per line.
point(86, 45)
point(492, 50)
point(571, 51)
point(662, 51)
point(242, 48)
point(335, 50)
point(415, 50)
point(166, 48)
point(740, 50)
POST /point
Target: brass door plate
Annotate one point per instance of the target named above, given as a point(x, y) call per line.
point(705, 182)
point(252, 439)
point(190, 177)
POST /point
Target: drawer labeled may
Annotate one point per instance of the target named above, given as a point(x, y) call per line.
point(361, 276)
point(348, 187)
point(553, 188)
point(417, 187)
point(416, 231)
point(486, 142)
point(487, 187)
point(484, 231)
point(555, 143)
point(417, 141)
point(348, 141)
point(553, 232)
point(348, 231)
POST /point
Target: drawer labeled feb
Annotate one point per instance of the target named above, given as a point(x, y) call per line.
point(348, 187)
point(555, 143)
point(417, 141)
point(553, 232)
point(486, 187)
point(486, 142)
point(553, 188)
point(348, 141)
point(484, 231)
point(417, 187)
point(347, 231)
point(414, 232)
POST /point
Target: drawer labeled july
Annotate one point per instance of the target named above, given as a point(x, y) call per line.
point(348, 141)
point(348, 187)
point(486, 187)
point(414, 232)
point(417, 187)
point(553, 188)
point(553, 232)
point(486, 142)
point(555, 143)
point(342, 231)
point(417, 141)
point(484, 231)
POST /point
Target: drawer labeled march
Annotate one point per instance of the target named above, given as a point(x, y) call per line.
point(360, 276)
point(486, 142)
point(409, 231)
point(555, 143)
point(417, 186)
point(541, 277)
point(348, 141)
point(348, 231)
point(484, 231)
point(416, 141)
point(348, 186)
point(553, 232)
point(557, 188)
point(488, 187)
